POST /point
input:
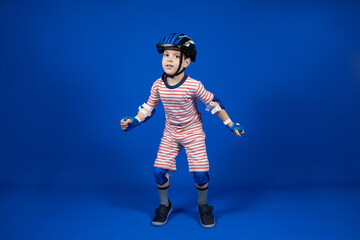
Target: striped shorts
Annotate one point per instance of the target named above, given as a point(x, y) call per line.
point(172, 143)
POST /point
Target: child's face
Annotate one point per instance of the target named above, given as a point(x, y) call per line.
point(171, 61)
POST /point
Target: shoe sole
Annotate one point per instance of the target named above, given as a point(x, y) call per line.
point(159, 224)
point(207, 226)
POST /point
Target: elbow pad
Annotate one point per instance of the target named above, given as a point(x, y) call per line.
point(212, 106)
point(145, 113)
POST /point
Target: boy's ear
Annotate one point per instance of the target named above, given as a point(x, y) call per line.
point(187, 62)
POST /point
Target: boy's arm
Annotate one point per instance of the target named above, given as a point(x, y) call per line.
point(222, 114)
point(145, 111)
point(212, 103)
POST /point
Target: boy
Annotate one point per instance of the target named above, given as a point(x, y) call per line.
point(183, 124)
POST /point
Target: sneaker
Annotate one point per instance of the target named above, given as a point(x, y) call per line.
point(162, 213)
point(206, 218)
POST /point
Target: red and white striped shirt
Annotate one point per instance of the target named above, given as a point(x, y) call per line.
point(180, 103)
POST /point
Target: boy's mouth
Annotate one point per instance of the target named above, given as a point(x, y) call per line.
point(169, 66)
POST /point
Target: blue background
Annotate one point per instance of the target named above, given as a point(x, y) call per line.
point(70, 70)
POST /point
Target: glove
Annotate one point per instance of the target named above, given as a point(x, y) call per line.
point(236, 126)
point(134, 123)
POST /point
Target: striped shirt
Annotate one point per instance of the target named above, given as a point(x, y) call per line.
point(180, 103)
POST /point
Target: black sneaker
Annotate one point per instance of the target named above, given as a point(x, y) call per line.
point(162, 213)
point(206, 218)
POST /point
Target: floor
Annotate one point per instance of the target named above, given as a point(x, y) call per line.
point(303, 213)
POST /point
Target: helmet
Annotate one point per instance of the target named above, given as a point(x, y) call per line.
point(180, 41)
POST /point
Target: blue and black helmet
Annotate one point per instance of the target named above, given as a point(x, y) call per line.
point(180, 41)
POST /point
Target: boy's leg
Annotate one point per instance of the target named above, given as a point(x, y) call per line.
point(201, 179)
point(166, 160)
point(166, 155)
point(163, 211)
point(198, 164)
point(202, 194)
point(206, 217)
point(162, 179)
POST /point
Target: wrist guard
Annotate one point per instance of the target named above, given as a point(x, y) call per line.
point(235, 126)
point(135, 122)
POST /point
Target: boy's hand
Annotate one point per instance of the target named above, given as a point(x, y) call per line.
point(125, 124)
point(237, 128)
point(238, 133)
point(128, 123)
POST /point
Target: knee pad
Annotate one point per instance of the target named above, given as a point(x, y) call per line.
point(201, 178)
point(159, 175)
